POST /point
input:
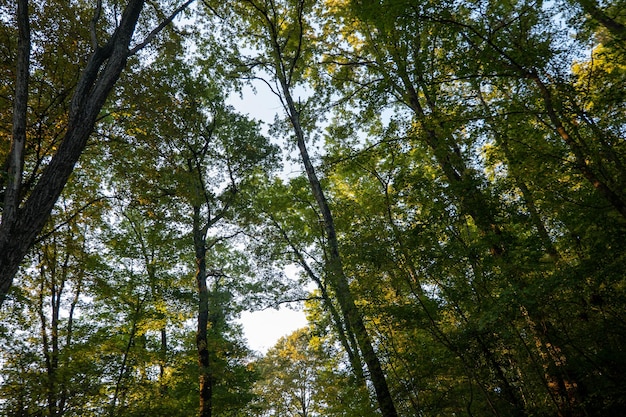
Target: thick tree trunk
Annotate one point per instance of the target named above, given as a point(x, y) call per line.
point(20, 106)
point(206, 377)
point(23, 222)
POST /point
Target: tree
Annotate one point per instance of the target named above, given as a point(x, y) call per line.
point(502, 215)
point(27, 206)
point(205, 153)
point(283, 34)
point(302, 375)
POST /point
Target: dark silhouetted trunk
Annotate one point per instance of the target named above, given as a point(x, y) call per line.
point(206, 377)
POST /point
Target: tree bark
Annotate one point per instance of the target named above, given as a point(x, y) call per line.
point(206, 378)
point(21, 220)
point(18, 139)
point(21, 225)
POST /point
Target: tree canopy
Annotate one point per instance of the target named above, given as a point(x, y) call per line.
point(447, 181)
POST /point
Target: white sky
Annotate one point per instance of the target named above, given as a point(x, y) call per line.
point(263, 105)
point(262, 329)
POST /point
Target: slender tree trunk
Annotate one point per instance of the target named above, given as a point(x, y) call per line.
point(284, 66)
point(119, 392)
point(47, 350)
point(18, 143)
point(69, 334)
point(346, 337)
point(336, 273)
point(163, 362)
point(345, 298)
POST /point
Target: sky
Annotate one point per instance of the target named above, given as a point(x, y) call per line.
point(262, 329)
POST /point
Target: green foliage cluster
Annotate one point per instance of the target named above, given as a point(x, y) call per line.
point(472, 156)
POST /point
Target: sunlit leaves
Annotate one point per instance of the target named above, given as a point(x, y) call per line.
point(461, 147)
point(303, 374)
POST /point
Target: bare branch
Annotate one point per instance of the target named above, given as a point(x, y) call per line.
point(80, 210)
point(92, 25)
point(278, 303)
point(159, 28)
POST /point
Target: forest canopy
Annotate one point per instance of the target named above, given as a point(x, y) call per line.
point(447, 179)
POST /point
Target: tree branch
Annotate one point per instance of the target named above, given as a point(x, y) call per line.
point(92, 25)
point(159, 28)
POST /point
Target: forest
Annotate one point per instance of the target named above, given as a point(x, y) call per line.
point(441, 187)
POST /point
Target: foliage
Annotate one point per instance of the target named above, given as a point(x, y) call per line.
point(463, 202)
point(304, 375)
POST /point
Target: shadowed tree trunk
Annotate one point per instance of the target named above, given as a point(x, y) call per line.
point(22, 220)
point(206, 377)
point(283, 65)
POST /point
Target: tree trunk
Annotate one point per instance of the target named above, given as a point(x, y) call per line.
point(283, 66)
point(346, 336)
point(119, 392)
point(23, 222)
point(163, 362)
point(18, 140)
point(336, 274)
point(206, 377)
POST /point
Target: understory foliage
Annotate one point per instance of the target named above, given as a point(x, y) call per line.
point(452, 197)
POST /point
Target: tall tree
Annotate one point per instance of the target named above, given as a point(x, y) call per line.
point(285, 36)
point(204, 154)
point(26, 207)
